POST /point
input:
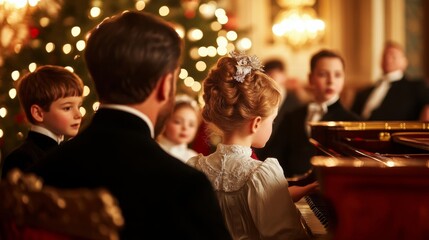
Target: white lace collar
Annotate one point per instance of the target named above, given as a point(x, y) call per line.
point(236, 150)
point(229, 167)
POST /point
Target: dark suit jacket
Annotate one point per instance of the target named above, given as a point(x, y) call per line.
point(158, 194)
point(290, 103)
point(290, 143)
point(34, 148)
point(404, 101)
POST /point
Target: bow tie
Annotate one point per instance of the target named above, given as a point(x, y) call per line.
point(316, 111)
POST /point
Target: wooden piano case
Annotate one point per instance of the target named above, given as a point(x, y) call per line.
point(376, 184)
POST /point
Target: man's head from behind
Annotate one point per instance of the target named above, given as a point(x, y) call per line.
point(275, 68)
point(128, 54)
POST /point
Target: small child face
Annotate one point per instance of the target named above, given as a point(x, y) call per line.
point(182, 125)
point(64, 117)
point(327, 78)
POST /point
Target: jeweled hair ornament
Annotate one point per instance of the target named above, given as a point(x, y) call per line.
point(245, 64)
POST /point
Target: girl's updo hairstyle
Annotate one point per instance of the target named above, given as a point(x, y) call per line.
point(229, 103)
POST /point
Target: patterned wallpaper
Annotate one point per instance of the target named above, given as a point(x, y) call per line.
point(414, 37)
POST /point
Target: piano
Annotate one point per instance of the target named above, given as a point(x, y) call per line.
point(374, 179)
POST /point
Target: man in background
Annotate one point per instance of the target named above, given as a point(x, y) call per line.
point(276, 69)
point(395, 96)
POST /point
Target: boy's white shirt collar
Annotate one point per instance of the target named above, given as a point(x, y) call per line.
point(332, 100)
point(133, 111)
point(47, 132)
point(328, 103)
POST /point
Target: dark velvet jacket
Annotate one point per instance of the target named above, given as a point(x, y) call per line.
point(158, 194)
point(404, 101)
point(34, 148)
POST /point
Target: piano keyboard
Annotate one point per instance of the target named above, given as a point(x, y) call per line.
point(315, 228)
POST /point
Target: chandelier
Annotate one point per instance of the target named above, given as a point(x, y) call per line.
point(15, 18)
point(298, 23)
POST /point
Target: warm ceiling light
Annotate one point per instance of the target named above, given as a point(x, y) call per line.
point(298, 25)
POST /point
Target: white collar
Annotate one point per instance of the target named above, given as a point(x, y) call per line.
point(47, 132)
point(394, 76)
point(133, 111)
point(324, 105)
point(169, 145)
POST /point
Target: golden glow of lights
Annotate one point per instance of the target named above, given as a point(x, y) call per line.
point(95, 12)
point(95, 106)
point(80, 45)
point(207, 10)
point(196, 86)
point(86, 91)
point(1, 133)
point(202, 51)
point(222, 41)
point(3, 112)
point(15, 21)
point(201, 66)
point(211, 51)
point(82, 111)
point(164, 11)
point(215, 26)
point(244, 44)
point(49, 47)
point(221, 16)
point(12, 93)
point(195, 34)
point(32, 67)
point(194, 53)
point(69, 68)
point(140, 5)
point(189, 81)
point(75, 31)
point(299, 26)
point(44, 21)
point(231, 35)
point(222, 51)
point(15, 75)
point(183, 73)
point(230, 47)
point(220, 12)
point(67, 48)
point(180, 30)
point(390, 163)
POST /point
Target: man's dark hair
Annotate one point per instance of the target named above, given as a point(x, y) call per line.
point(273, 64)
point(324, 53)
point(128, 53)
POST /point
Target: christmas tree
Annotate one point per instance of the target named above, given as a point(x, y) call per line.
point(56, 36)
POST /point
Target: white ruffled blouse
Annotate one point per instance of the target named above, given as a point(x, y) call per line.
point(252, 194)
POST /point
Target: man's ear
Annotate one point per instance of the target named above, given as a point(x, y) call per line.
point(255, 124)
point(37, 113)
point(165, 85)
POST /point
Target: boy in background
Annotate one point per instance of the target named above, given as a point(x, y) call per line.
point(50, 97)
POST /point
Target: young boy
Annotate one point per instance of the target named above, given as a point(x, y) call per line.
point(50, 97)
point(290, 144)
